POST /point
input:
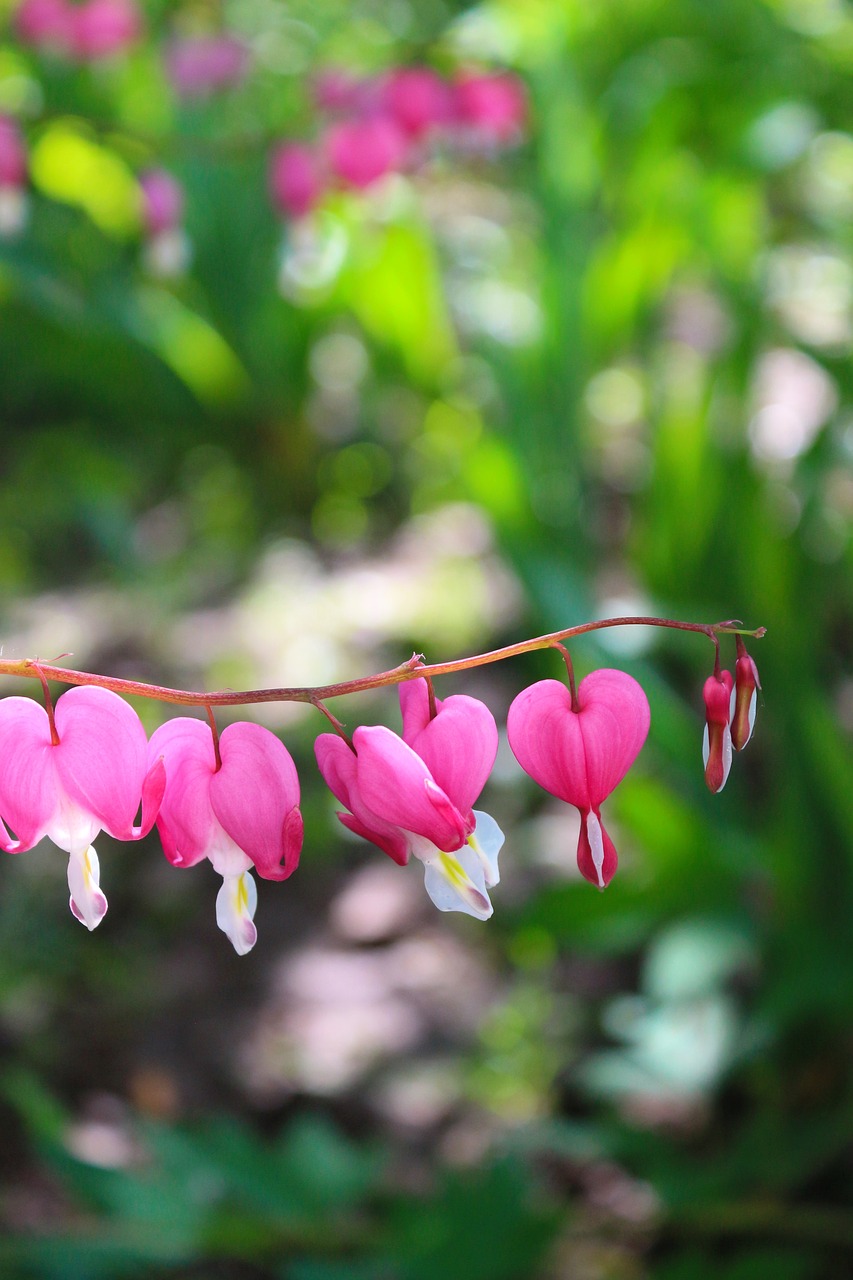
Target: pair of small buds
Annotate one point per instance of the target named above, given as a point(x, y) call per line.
point(729, 716)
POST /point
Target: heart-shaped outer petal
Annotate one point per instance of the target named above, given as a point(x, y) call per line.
point(255, 796)
point(339, 767)
point(579, 756)
point(458, 745)
point(597, 860)
point(29, 786)
point(186, 821)
point(101, 757)
point(396, 785)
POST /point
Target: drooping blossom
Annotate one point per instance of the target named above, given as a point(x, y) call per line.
point(199, 66)
point(162, 210)
point(746, 685)
point(295, 180)
point(491, 108)
point(718, 694)
point(241, 814)
point(44, 24)
point(13, 178)
point(580, 754)
point(414, 795)
point(93, 779)
point(417, 99)
point(103, 28)
point(360, 152)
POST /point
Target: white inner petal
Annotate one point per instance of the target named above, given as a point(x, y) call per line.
point(72, 828)
point(226, 855)
point(236, 904)
point(87, 903)
point(487, 841)
point(596, 845)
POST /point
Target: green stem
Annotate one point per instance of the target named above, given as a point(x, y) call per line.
point(413, 669)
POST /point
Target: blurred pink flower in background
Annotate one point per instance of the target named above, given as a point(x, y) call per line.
point(13, 154)
point(200, 66)
point(417, 99)
point(490, 107)
point(360, 152)
point(84, 32)
point(294, 179)
point(101, 28)
point(167, 248)
point(339, 92)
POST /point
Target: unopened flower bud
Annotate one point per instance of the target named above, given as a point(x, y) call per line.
point(717, 745)
point(743, 717)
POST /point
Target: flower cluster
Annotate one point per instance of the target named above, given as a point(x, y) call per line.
point(84, 32)
point(388, 125)
point(88, 767)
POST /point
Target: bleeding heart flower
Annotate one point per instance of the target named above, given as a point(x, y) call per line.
point(242, 814)
point(413, 795)
point(580, 754)
point(102, 28)
point(490, 108)
point(360, 152)
point(93, 779)
point(294, 179)
point(746, 685)
point(717, 742)
point(417, 99)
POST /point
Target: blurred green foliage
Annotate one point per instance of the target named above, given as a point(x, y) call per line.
point(628, 344)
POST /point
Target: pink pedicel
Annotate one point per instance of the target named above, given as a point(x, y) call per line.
point(244, 814)
point(93, 779)
point(295, 181)
point(200, 66)
point(491, 107)
point(747, 684)
point(360, 152)
point(582, 755)
point(417, 99)
point(414, 795)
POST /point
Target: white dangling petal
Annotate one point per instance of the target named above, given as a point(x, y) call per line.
point(727, 755)
point(487, 841)
point(753, 703)
point(236, 904)
point(596, 845)
point(87, 902)
point(706, 747)
point(455, 882)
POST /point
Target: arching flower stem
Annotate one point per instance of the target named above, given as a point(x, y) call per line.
point(30, 668)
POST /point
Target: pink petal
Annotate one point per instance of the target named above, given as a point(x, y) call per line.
point(615, 718)
point(254, 795)
point(101, 757)
point(396, 785)
point(458, 745)
point(579, 756)
point(339, 767)
point(29, 785)
point(186, 821)
point(597, 859)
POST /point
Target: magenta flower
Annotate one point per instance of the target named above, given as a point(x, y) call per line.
point(360, 152)
point(294, 179)
point(746, 685)
point(13, 155)
point(162, 201)
point(491, 107)
point(44, 24)
point(417, 99)
point(414, 795)
point(243, 814)
point(717, 742)
point(102, 28)
point(203, 65)
point(581, 754)
point(93, 779)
